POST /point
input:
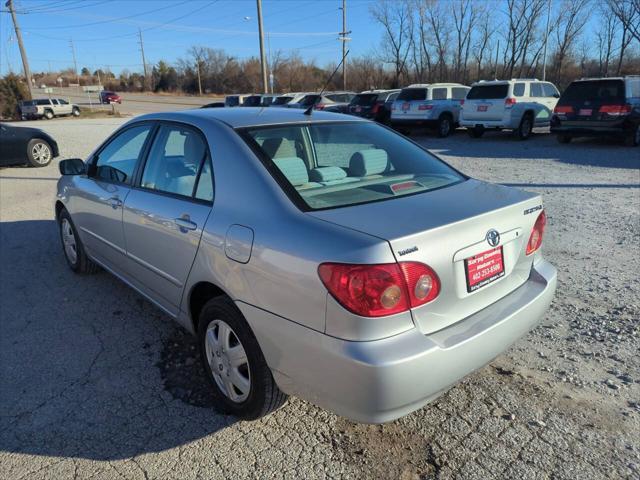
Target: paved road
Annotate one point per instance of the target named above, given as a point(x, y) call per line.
point(96, 383)
point(133, 103)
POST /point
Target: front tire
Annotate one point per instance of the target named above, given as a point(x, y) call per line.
point(39, 153)
point(48, 114)
point(242, 382)
point(75, 112)
point(72, 246)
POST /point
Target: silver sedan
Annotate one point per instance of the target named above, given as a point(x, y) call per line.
point(312, 254)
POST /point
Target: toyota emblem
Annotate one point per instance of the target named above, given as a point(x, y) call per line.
point(493, 237)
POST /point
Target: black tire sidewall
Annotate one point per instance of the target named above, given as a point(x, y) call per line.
point(524, 134)
point(48, 115)
point(222, 308)
point(441, 121)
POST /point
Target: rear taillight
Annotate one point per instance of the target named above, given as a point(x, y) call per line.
point(563, 109)
point(509, 102)
point(393, 106)
point(425, 107)
point(376, 108)
point(616, 109)
point(382, 289)
point(535, 239)
point(462, 102)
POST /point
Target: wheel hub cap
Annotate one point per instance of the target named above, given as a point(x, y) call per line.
point(69, 241)
point(227, 361)
point(41, 153)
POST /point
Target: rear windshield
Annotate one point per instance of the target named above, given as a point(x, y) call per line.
point(365, 99)
point(232, 101)
point(328, 165)
point(484, 92)
point(408, 94)
point(596, 90)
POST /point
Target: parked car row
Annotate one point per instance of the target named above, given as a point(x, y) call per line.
point(588, 107)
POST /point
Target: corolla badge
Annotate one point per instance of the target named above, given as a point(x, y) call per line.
point(493, 237)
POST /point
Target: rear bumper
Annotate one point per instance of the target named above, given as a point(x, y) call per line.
point(488, 124)
point(379, 381)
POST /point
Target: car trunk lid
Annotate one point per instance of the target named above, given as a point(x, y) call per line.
point(485, 102)
point(445, 227)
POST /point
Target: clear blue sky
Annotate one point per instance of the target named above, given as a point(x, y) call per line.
point(104, 37)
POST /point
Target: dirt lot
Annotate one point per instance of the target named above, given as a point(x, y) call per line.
point(97, 383)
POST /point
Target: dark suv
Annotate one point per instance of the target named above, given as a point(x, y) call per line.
point(599, 107)
point(373, 104)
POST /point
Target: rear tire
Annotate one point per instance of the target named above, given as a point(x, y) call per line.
point(633, 140)
point(523, 132)
point(445, 125)
point(48, 114)
point(564, 138)
point(72, 246)
point(475, 132)
point(39, 153)
point(221, 326)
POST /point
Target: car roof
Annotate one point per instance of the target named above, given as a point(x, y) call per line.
point(250, 116)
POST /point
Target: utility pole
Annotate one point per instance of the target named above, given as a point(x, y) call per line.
point(544, 55)
point(23, 53)
point(198, 70)
point(344, 39)
point(75, 63)
point(144, 62)
point(263, 61)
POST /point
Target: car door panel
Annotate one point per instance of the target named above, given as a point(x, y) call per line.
point(10, 145)
point(162, 237)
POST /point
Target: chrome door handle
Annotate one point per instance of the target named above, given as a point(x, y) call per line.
point(185, 224)
point(115, 202)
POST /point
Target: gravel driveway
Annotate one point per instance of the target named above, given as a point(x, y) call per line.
point(97, 383)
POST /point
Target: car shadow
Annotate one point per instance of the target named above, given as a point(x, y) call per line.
point(593, 152)
point(88, 368)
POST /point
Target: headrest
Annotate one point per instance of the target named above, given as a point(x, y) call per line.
point(327, 174)
point(193, 149)
point(294, 169)
point(368, 162)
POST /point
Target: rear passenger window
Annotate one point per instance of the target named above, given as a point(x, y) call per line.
point(536, 90)
point(410, 94)
point(439, 94)
point(518, 90)
point(458, 93)
point(176, 161)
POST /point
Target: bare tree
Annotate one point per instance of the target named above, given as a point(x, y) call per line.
point(481, 49)
point(523, 17)
point(394, 16)
point(437, 20)
point(465, 17)
point(606, 35)
point(572, 19)
point(628, 12)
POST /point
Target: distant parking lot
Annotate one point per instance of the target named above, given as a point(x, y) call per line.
point(97, 383)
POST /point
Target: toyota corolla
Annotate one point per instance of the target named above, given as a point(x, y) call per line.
point(312, 254)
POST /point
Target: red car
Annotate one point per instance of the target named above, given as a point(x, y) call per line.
point(110, 97)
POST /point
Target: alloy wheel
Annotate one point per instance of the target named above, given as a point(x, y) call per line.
point(228, 361)
point(69, 241)
point(41, 153)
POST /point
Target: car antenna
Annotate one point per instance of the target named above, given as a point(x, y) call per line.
point(309, 110)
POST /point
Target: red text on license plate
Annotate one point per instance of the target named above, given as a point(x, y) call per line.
point(585, 111)
point(482, 108)
point(484, 268)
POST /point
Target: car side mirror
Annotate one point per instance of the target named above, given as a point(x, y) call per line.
point(72, 166)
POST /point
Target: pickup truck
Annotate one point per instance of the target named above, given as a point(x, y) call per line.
point(48, 108)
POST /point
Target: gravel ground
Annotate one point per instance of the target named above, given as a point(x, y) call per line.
point(97, 383)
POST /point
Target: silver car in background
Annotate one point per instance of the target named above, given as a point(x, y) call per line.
point(322, 255)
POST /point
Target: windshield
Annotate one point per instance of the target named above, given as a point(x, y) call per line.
point(232, 101)
point(488, 92)
point(328, 165)
point(252, 101)
point(309, 100)
point(598, 90)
